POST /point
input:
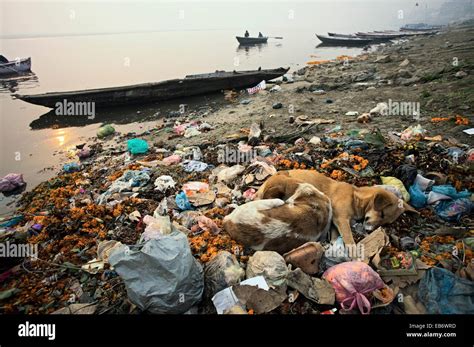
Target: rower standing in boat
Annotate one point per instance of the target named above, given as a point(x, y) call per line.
point(260, 34)
point(246, 33)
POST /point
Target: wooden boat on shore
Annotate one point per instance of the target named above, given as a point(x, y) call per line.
point(150, 92)
point(343, 41)
point(12, 68)
point(349, 36)
point(420, 27)
point(251, 40)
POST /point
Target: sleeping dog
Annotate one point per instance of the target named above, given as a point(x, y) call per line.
point(373, 205)
point(296, 213)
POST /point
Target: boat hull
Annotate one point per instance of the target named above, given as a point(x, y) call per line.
point(15, 67)
point(160, 91)
point(343, 41)
point(251, 40)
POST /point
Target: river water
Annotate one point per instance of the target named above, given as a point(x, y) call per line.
point(80, 45)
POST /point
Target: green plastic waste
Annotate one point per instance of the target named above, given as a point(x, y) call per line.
point(104, 131)
point(137, 146)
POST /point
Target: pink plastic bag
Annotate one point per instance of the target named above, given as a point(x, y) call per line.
point(352, 280)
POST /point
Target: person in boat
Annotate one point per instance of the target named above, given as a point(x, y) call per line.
point(260, 34)
point(3, 60)
point(246, 33)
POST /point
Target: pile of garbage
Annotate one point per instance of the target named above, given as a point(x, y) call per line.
point(139, 228)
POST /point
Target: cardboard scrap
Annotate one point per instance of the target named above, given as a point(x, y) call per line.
point(318, 290)
point(372, 244)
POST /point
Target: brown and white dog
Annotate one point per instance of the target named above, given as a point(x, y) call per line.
point(282, 224)
point(374, 205)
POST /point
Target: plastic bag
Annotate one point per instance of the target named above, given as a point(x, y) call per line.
point(11, 182)
point(183, 202)
point(221, 272)
point(450, 191)
point(407, 174)
point(104, 131)
point(162, 276)
point(71, 167)
point(164, 182)
point(137, 146)
point(194, 166)
point(442, 292)
point(337, 253)
point(270, 265)
point(228, 174)
point(172, 159)
point(393, 181)
point(418, 199)
point(453, 210)
point(352, 281)
point(156, 227)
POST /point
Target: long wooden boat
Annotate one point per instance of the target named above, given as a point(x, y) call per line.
point(15, 67)
point(251, 40)
point(343, 41)
point(150, 92)
point(420, 27)
point(348, 36)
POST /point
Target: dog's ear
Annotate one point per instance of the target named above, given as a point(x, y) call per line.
point(381, 200)
point(408, 208)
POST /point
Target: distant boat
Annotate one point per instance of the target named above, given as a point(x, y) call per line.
point(12, 68)
point(159, 91)
point(251, 40)
point(343, 41)
point(420, 27)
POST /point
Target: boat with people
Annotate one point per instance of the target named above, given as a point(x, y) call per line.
point(144, 93)
point(251, 40)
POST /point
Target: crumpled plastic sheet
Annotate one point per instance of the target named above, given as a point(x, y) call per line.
point(442, 292)
point(453, 210)
point(162, 276)
point(11, 182)
point(450, 191)
point(194, 166)
point(129, 179)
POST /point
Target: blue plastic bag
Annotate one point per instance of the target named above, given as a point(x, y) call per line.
point(442, 292)
point(183, 202)
point(137, 146)
point(418, 199)
point(71, 167)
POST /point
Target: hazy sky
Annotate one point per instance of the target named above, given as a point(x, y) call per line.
point(32, 18)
